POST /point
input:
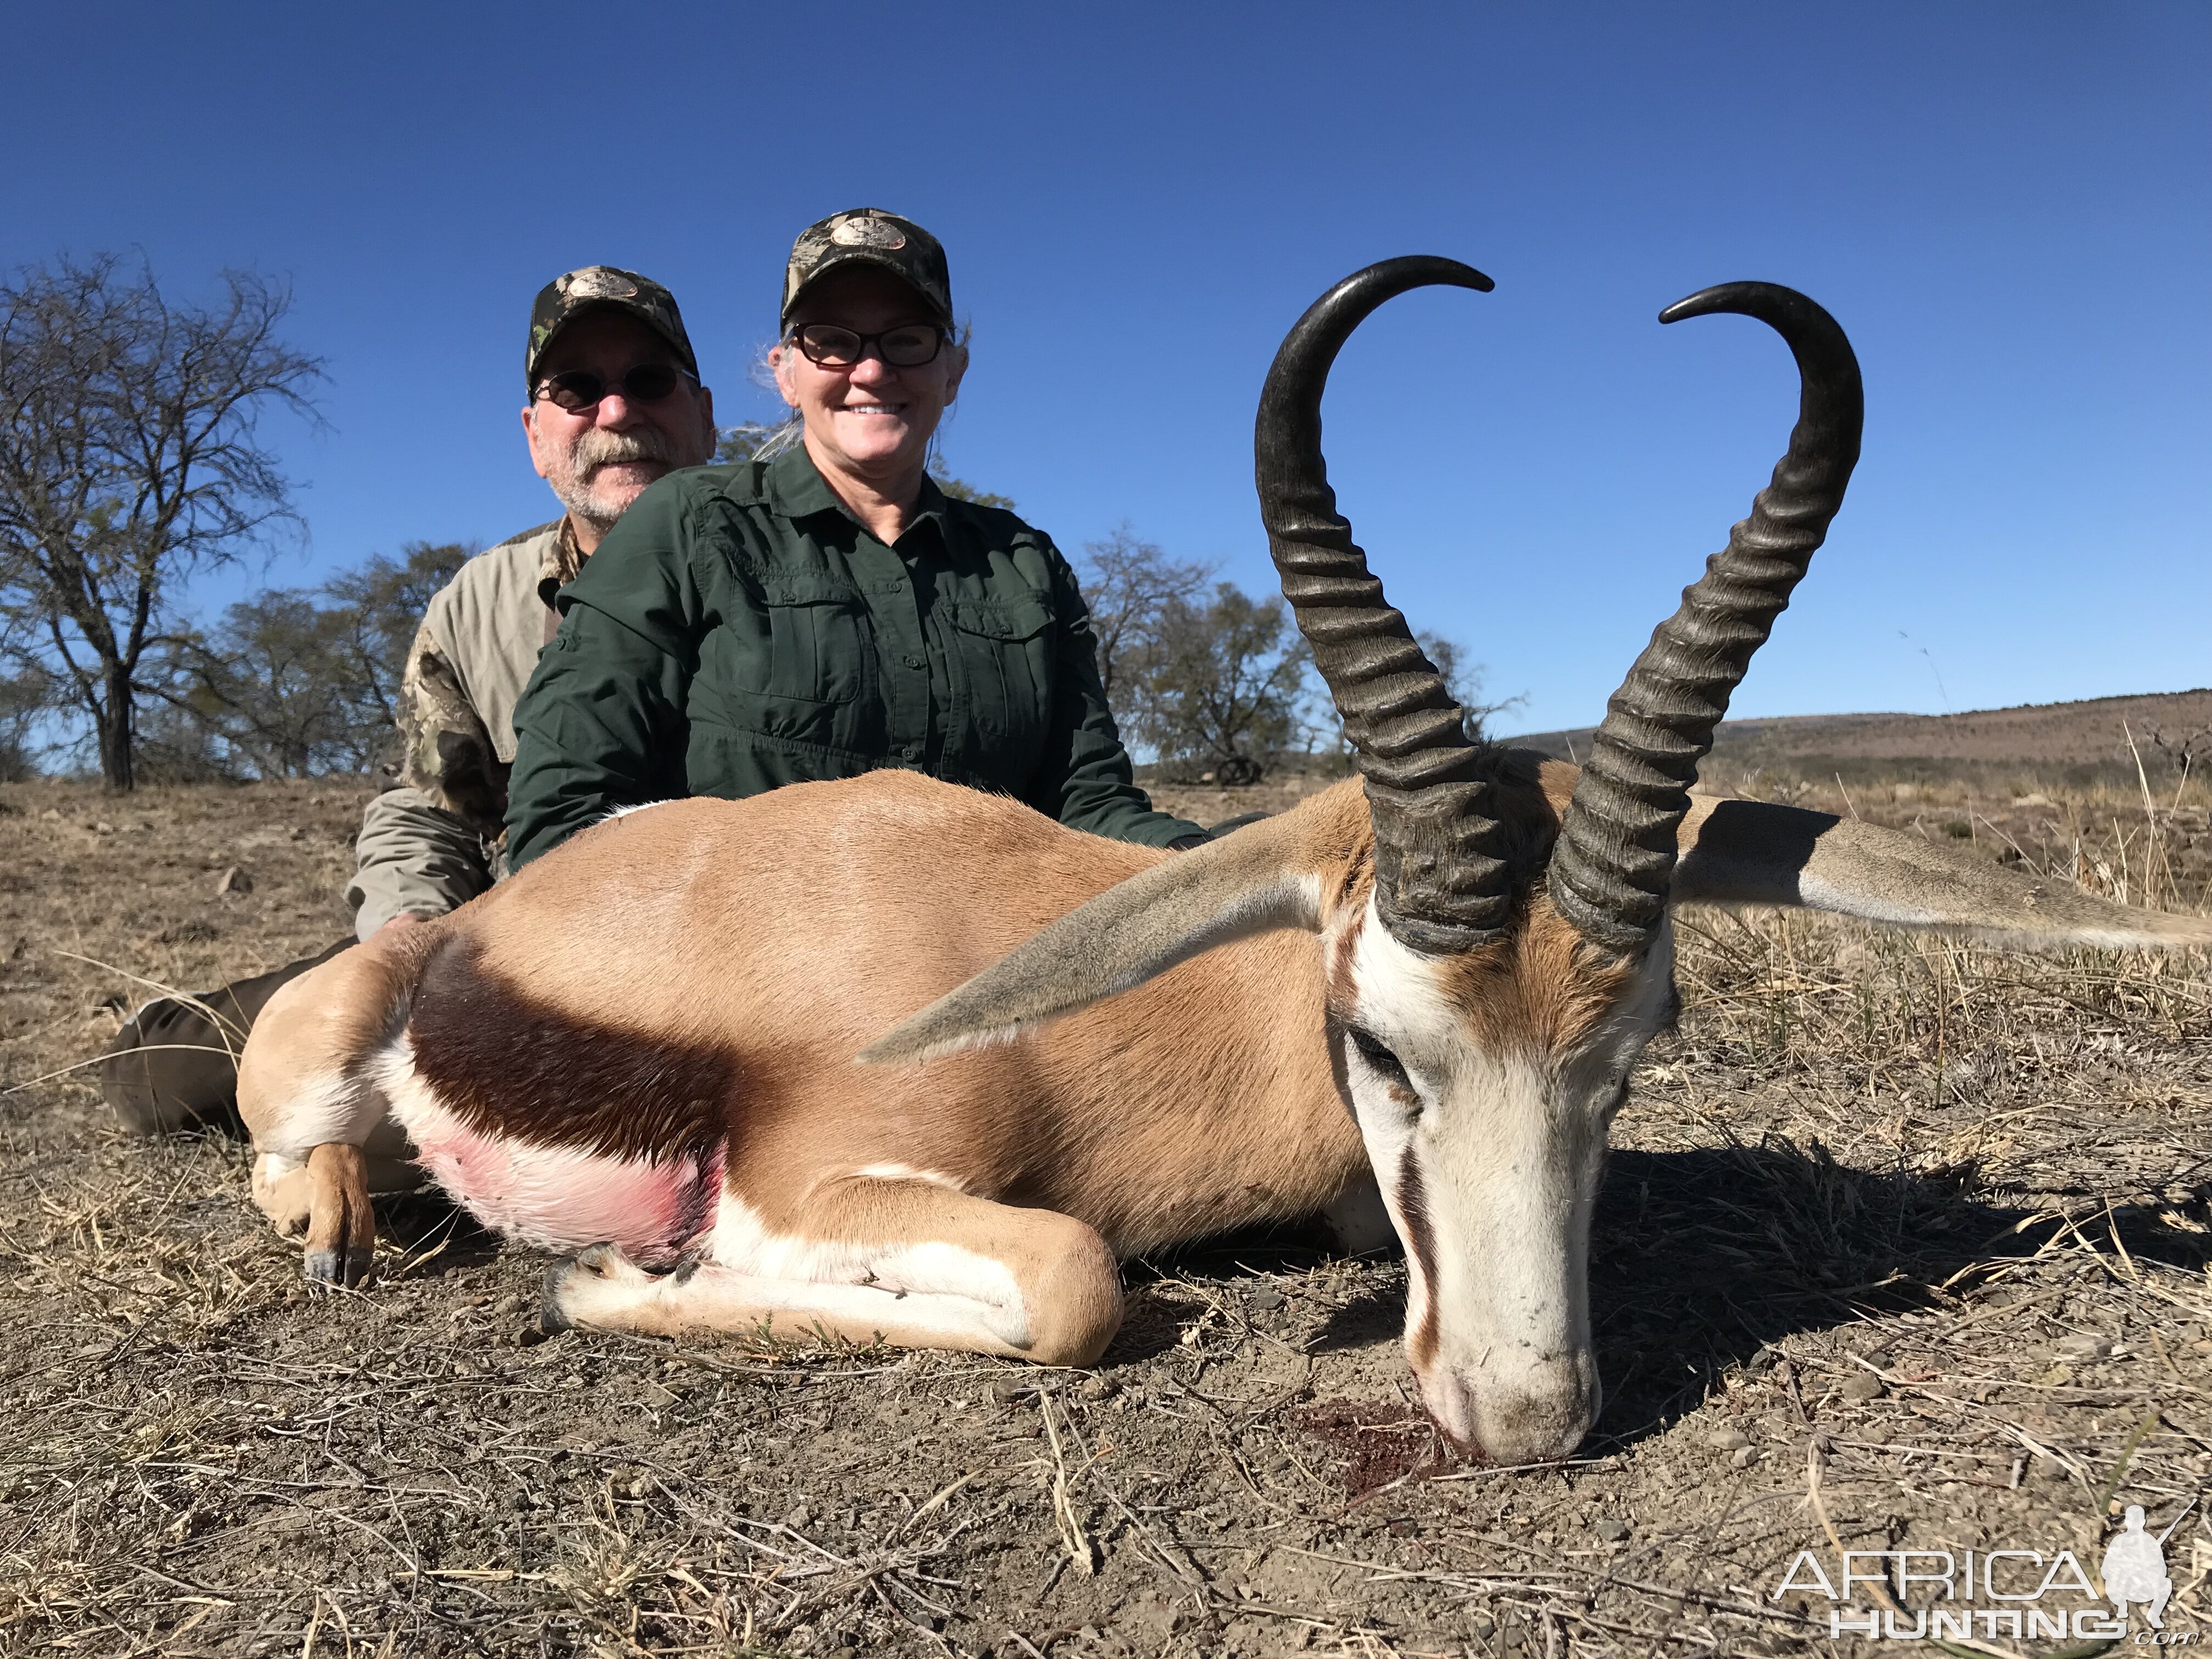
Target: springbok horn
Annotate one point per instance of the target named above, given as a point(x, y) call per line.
point(1615, 856)
point(1441, 883)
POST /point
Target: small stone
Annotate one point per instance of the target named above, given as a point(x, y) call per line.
point(529, 1337)
point(1266, 1300)
point(1610, 1530)
point(236, 879)
point(2084, 1347)
point(1728, 1439)
point(1013, 1391)
point(1483, 1624)
point(1745, 1457)
point(798, 1517)
point(509, 1304)
point(1860, 1385)
point(1098, 1388)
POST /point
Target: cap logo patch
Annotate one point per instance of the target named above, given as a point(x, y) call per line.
point(597, 283)
point(867, 232)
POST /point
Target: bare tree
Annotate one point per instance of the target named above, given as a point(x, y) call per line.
point(1130, 585)
point(26, 699)
point(128, 460)
point(379, 607)
point(1464, 679)
point(269, 682)
point(1224, 687)
point(288, 686)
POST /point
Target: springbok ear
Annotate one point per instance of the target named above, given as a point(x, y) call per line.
point(1134, 931)
point(1747, 852)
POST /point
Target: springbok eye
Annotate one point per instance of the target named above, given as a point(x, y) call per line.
point(1377, 1054)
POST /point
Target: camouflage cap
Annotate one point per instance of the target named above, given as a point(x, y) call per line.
point(564, 299)
point(870, 236)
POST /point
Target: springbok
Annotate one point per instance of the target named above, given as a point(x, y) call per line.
point(1426, 986)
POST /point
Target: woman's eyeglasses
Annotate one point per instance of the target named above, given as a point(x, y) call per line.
point(909, 346)
point(579, 389)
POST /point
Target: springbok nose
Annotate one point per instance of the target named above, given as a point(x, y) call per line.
point(1538, 1415)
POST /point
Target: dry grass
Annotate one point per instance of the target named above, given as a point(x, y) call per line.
point(1927, 1219)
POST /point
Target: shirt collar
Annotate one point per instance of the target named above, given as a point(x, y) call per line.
point(558, 564)
point(796, 488)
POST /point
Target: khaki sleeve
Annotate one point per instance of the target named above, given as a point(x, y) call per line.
point(449, 755)
point(412, 855)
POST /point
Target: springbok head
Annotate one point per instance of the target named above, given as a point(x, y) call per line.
point(1495, 966)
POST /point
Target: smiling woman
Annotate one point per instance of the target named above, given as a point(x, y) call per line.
point(831, 611)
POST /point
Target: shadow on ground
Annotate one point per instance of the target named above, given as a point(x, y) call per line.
point(1701, 1261)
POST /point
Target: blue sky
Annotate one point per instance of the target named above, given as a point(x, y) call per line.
point(2007, 206)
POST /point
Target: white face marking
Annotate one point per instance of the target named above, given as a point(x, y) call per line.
point(1490, 1172)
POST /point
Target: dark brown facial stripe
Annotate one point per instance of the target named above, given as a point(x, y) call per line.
point(1421, 1245)
point(514, 1068)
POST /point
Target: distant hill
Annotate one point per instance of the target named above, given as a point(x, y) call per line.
point(2090, 736)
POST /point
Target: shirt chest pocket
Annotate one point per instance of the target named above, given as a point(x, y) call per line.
point(804, 643)
point(1005, 650)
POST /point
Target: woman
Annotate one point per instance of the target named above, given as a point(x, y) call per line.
point(831, 611)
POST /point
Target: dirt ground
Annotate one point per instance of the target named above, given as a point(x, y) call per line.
point(1905, 1246)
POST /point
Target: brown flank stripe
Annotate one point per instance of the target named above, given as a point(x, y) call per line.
point(517, 1069)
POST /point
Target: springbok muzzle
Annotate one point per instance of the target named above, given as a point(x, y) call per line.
point(1536, 1410)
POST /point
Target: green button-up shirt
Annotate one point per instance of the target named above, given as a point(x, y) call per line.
point(739, 629)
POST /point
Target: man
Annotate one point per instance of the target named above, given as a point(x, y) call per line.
point(614, 401)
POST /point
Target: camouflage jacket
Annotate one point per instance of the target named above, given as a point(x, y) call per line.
point(436, 841)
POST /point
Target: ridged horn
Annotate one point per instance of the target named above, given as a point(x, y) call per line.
point(1615, 854)
point(1440, 883)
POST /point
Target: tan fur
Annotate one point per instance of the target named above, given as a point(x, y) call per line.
point(647, 925)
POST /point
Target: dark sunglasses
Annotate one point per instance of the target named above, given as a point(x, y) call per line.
point(908, 346)
point(579, 389)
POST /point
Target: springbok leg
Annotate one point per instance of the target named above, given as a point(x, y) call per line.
point(322, 1140)
point(341, 1227)
point(905, 1262)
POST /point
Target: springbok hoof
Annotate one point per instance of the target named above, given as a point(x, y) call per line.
point(552, 1317)
point(339, 1269)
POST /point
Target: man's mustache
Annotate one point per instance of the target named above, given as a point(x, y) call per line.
point(600, 448)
